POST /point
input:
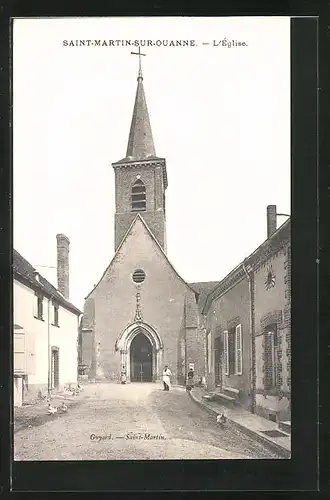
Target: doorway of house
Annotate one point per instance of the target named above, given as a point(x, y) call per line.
point(55, 375)
point(141, 359)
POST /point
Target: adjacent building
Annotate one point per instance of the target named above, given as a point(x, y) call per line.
point(248, 328)
point(45, 330)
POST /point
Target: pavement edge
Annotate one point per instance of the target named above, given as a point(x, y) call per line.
point(277, 448)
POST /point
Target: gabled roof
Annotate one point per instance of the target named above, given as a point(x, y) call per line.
point(25, 273)
point(139, 217)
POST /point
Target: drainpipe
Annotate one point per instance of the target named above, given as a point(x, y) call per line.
point(253, 360)
point(48, 345)
point(79, 344)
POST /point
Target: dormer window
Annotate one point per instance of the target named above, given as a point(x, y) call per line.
point(138, 196)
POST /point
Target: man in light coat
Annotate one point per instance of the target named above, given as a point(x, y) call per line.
point(166, 378)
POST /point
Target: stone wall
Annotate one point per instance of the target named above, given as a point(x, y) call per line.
point(154, 215)
point(111, 307)
point(226, 312)
point(272, 313)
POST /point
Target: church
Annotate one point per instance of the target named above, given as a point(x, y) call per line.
point(141, 315)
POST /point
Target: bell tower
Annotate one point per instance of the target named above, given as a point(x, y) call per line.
point(140, 177)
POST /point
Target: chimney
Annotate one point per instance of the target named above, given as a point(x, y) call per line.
point(63, 244)
point(271, 220)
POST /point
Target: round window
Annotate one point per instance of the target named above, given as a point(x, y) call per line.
point(139, 276)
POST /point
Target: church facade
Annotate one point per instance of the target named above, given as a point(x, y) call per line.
point(141, 315)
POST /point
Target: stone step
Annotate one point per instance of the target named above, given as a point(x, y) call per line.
point(230, 391)
point(208, 397)
point(224, 398)
point(285, 426)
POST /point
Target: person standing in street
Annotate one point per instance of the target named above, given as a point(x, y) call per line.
point(166, 378)
point(190, 380)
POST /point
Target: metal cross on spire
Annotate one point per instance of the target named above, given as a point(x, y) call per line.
point(139, 54)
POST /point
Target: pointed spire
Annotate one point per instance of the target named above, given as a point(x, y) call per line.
point(140, 142)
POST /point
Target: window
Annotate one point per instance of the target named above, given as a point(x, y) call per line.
point(226, 352)
point(55, 368)
point(270, 358)
point(139, 276)
point(209, 352)
point(39, 310)
point(138, 196)
point(55, 314)
point(232, 351)
point(238, 353)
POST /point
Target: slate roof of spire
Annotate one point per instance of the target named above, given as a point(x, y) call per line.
point(140, 142)
point(140, 147)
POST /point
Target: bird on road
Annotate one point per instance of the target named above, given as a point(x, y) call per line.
point(51, 409)
point(63, 407)
point(221, 419)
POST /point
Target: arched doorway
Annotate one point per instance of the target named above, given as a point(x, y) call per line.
point(140, 330)
point(141, 359)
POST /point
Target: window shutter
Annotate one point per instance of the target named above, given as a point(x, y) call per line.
point(209, 352)
point(238, 350)
point(226, 351)
point(51, 313)
point(19, 352)
point(35, 306)
point(30, 353)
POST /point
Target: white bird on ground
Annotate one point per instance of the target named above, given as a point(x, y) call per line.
point(51, 409)
point(221, 419)
point(63, 407)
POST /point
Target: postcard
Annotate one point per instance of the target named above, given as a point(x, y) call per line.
point(152, 248)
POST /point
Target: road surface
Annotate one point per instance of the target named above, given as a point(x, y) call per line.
point(134, 422)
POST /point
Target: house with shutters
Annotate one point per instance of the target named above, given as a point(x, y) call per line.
point(248, 329)
point(45, 328)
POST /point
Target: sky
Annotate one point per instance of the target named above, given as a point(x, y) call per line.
point(220, 115)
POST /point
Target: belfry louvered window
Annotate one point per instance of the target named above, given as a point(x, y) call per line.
point(138, 196)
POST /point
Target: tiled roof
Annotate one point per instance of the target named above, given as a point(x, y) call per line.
point(23, 271)
point(204, 287)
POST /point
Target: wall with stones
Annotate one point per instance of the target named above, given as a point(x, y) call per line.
point(155, 211)
point(226, 312)
point(272, 307)
point(111, 306)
